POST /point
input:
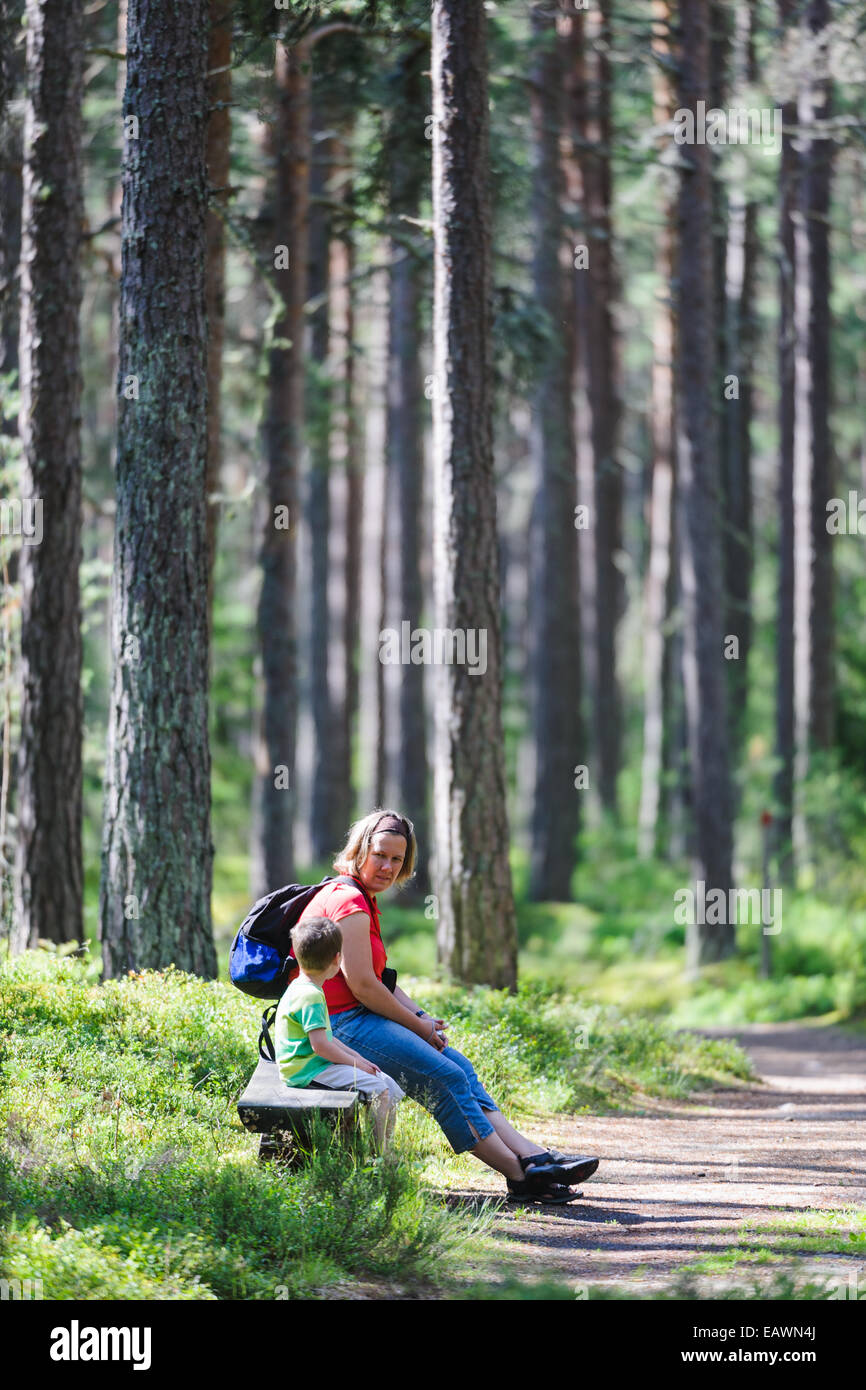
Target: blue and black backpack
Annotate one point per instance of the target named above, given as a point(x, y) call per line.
point(262, 962)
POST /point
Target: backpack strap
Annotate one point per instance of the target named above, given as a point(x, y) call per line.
point(389, 976)
point(356, 883)
point(267, 1051)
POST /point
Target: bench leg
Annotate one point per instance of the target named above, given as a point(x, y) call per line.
point(280, 1148)
point(284, 1146)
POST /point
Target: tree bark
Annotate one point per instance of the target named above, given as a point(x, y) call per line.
point(406, 177)
point(290, 151)
point(49, 860)
point(657, 584)
point(603, 397)
point(346, 458)
point(816, 108)
point(157, 850)
point(697, 460)
point(477, 929)
point(553, 596)
point(219, 95)
point(318, 508)
point(785, 741)
point(11, 195)
point(739, 339)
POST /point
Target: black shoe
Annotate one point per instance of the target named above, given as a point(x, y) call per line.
point(559, 1167)
point(533, 1191)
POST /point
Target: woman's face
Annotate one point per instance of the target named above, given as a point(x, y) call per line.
point(383, 863)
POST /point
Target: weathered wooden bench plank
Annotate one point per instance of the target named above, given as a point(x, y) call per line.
point(268, 1103)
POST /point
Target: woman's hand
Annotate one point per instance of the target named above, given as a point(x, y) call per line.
point(434, 1037)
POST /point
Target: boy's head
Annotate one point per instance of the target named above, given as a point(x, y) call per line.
point(317, 944)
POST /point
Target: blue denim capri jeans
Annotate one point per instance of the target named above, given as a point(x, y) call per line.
point(443, 1082)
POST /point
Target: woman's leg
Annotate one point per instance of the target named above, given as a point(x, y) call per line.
point(510, 1137)
point(500, 1157)
point(437, 1080)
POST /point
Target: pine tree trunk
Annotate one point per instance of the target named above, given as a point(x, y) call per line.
point(785, 742)
point(406, 176)
point(603, 398)
point(318, 507)
point(219, 93)
point(49, 861)
point(157, 850)
point(347, 461)
point(817, 108)
point(290, 152)
point(477, 929)
point(739, 340)
point(697, 461)
point(554, 622)
point(657, 584)
point(11, 195)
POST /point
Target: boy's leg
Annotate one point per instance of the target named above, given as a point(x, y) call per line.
point(383, 1092)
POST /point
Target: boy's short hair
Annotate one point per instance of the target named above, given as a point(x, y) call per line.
point(316, 942)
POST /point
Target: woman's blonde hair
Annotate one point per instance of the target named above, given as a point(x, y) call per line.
point(360, 839)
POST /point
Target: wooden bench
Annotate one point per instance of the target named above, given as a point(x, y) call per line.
point(283, 1115)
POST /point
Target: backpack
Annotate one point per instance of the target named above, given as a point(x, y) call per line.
point(262, 962)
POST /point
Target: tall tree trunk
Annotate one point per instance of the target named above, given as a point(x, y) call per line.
point(736, 415)
point(157, 851)
point(49, 865)
point(346, 456)
point(318, 508)
point(603, 397)
point(477, 929)
point(700, 559)
point(290, 151)
point(554, 625)
point(657, 584)
point(406, 176)
point(785, 741)
point(11, 193)
point(219, 92)
point(816, 109)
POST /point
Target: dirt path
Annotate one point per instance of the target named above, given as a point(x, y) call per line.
point(677, 1182)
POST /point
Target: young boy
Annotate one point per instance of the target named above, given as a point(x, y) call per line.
point(306, 1050)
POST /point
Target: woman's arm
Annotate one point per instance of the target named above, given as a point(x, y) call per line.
point(361, 979)
point(411, 1004)
point(403, 998)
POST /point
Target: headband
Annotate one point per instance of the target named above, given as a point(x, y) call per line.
point(393, 825)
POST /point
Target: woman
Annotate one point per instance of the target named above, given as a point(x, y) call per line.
point(395, 1033)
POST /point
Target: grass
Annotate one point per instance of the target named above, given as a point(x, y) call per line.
point(790, 1236)
point(125, 1173)
point(782, 1287)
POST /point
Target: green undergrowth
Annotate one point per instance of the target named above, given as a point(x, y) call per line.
point(551, 1051)
point(125, 1173)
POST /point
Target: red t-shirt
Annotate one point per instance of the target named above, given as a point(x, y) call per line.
point(338, 900)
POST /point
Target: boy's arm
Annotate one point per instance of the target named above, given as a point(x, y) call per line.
point(332, 1051)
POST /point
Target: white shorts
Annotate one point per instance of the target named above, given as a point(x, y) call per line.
point(341, 1076)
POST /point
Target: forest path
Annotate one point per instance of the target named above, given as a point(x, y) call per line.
point(676, 1183)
